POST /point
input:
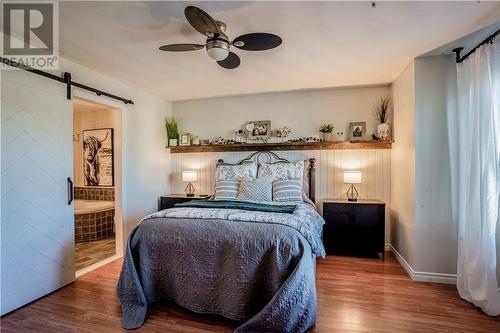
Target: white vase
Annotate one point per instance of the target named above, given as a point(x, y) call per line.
point(384, 131)
point(327, 137)
point(172, 142)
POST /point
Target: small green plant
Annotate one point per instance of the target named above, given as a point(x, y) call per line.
point(326, 128)
point(171, 126)
point(383, 109)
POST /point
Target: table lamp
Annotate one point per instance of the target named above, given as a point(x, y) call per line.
point(189, 176)
point(352, 177)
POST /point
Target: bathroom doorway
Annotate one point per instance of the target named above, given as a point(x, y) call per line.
point(97, 174)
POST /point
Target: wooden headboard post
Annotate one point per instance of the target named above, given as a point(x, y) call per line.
point(312, 179)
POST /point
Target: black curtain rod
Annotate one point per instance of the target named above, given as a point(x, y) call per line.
point(488, 40)
point(65, 78)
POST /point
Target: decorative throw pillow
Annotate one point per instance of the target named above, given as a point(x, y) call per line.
point(236, 172)
point(287, 190)
point(226, 189)
point(282, 170)
point(256, 189)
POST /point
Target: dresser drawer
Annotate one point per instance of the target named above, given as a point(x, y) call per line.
point(366, 209)
point(334, 208)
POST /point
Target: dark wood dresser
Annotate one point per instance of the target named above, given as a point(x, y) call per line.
point(354, 227)
point(168, 201)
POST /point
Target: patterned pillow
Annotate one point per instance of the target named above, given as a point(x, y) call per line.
point(282, 170)
point(256, 189)
point(226, 189)
point(236, 172)
point(287, 190)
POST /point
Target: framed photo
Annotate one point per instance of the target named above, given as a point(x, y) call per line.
point(98, 157)
point(259, 130)
point(185, 139)
point(357, 131)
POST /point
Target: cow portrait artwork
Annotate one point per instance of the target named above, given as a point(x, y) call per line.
point(98, 157)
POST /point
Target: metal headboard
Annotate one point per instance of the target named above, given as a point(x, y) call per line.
point(255, 157)
point(274, 158)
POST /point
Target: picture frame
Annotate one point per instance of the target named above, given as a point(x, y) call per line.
point(357, 131)
point(98, 157)
point(259, 129)
point(184, 139)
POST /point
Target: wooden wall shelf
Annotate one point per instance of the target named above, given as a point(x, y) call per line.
point(336, 145)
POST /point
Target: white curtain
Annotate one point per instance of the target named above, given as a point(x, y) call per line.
point(474, 128)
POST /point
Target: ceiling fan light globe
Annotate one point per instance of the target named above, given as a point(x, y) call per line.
point(218, 48)
point(218, 53)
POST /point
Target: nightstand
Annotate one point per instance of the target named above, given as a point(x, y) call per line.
point(354, 227)
point(168, 201)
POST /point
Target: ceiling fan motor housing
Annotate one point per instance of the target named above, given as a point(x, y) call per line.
point(218, 47)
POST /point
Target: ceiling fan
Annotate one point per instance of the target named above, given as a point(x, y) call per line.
point(218, 44)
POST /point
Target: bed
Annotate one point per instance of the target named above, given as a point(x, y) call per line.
point(253, 262)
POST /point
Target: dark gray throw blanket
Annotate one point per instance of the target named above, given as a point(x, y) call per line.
point(236, 204)
point(259, 273)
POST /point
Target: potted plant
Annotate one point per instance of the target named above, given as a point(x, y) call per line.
point(172, 131)
point(382, 113)
point(326, 131)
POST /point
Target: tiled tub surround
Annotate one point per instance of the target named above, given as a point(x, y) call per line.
point(95, 193)
point(94, 220)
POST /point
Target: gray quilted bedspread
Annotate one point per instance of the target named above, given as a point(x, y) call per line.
point(259, 272)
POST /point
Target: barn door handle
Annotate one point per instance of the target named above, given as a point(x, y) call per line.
point(70, 191)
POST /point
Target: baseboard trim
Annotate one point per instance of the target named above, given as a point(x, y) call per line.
point(96, 265)
point(422, 276)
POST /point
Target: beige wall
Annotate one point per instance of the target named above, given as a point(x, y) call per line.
point(303, 111)
point(88, 116)
point(403, 166)
point(436, 234)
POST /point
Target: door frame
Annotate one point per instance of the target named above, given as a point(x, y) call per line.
point(120, 190)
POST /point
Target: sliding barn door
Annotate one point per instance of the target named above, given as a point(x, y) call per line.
point(37, 240)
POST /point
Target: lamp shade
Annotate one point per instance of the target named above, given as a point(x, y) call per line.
point(189, 176)
point(352, 177)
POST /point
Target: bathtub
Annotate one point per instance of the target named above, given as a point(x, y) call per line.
point(94, 220)
point(92, 206)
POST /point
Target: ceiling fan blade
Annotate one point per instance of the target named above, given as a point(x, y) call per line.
point(232, 61)
point(258, 41)
point(201, 21)
point(181, 47)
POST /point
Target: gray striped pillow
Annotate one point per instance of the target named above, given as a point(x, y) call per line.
point(287, 190)
point(226, 189)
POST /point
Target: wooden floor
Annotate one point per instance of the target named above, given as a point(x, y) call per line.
point(354, 295)
point(88, 253)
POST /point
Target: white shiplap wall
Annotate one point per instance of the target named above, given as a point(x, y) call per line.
point(375, 164)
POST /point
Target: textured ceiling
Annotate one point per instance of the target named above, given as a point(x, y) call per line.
point(325, 44)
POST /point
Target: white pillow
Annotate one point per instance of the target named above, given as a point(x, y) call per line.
point(236, 172)
point(282, 170)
